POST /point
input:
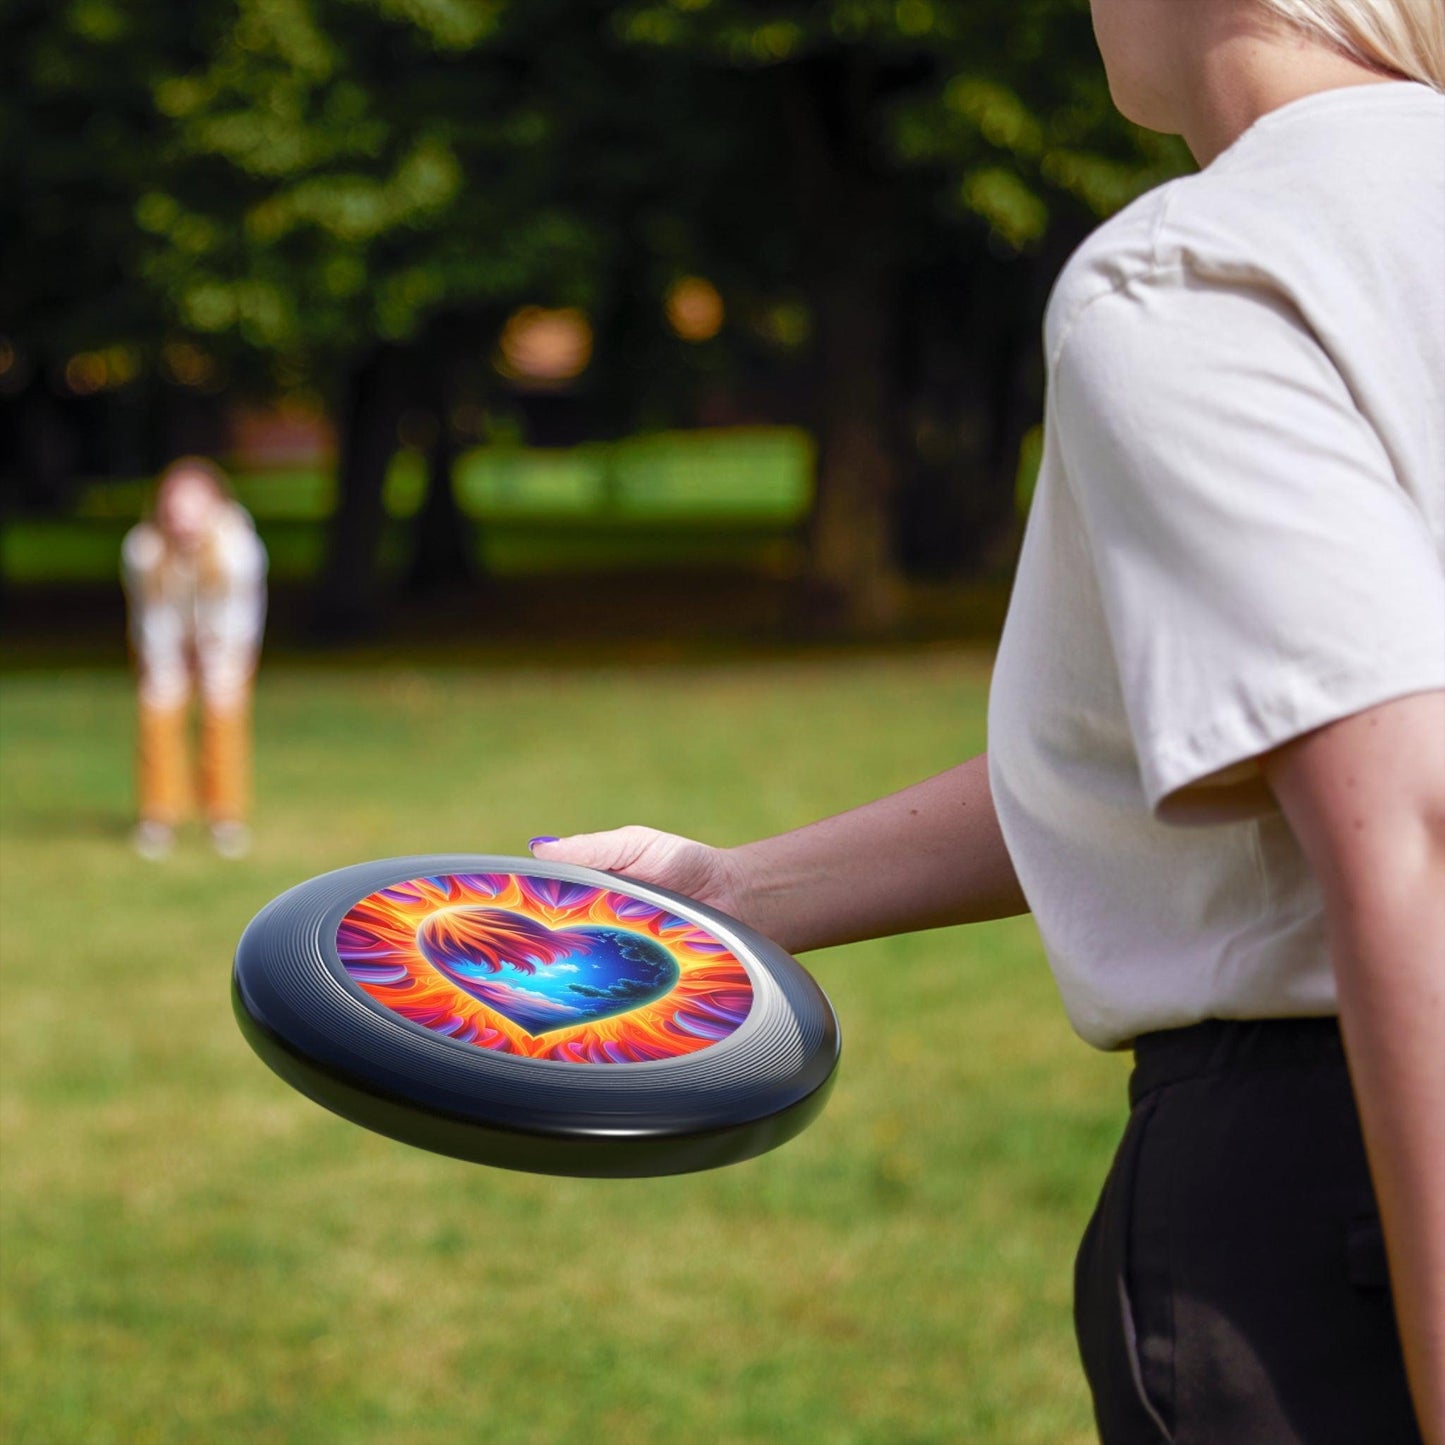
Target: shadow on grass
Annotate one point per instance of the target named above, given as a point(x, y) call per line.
point(563, 621)
point(48, 825)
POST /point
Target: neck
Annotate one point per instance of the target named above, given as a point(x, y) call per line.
point(1243, 71)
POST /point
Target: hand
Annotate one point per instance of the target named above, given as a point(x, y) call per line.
point(693, 869)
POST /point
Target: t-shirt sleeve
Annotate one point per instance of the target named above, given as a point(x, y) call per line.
point(140, 555)
point(1262, 569)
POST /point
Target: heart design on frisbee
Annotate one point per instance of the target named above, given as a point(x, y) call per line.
point(541, 978)
point(548, 969)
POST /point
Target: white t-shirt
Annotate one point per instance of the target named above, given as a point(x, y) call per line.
point(1238, 535)
point(183, 623)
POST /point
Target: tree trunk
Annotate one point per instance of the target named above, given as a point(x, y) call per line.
point(442, 556)
point(348, 600)
point(851, 551)
point(852, 270)
point(970, 384)
point(42, 472)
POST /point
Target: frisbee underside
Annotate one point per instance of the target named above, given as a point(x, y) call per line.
point(535, 1016)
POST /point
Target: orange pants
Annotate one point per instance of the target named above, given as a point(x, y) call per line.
point(164, 776)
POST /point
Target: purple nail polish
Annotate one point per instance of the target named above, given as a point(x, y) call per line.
point(532, 842)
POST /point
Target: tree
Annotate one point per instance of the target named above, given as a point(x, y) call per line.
point(80, 140)
point(911, 142)
point(348, 185)
point(349, 196)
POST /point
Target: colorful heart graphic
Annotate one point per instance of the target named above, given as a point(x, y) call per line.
point(543, 978)
point(488, 959)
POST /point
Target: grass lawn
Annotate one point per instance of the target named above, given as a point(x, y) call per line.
point(191, 1252)
point(680, 499)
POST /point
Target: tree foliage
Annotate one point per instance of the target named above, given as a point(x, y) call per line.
point(352, 194)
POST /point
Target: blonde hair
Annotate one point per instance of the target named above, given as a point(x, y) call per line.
point(209, 572)
point(1405, 37)
point(193, 466)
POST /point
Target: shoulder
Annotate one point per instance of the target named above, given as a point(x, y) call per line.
point(1224, 227)
point(1321, 205)
point(237, 545)
point(142, 549)
point(234, 558)
point(1111, 258)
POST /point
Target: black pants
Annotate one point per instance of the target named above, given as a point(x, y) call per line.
point(1231, 1287)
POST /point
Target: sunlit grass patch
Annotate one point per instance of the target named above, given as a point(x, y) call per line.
point(193, 1252)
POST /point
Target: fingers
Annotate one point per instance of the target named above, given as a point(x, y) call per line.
point(613, 851)
point(649, 856)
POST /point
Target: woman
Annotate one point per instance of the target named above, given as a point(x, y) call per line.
point(195, 583)
point(1217, 734)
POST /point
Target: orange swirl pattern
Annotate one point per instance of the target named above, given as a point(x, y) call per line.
point(526, 925)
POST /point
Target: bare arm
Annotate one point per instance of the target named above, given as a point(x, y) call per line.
point(928, 856)
point(1366, 799)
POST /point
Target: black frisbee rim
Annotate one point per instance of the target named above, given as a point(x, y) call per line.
point(739, 1097)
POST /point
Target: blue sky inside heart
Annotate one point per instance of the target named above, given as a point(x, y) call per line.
point(617, 972)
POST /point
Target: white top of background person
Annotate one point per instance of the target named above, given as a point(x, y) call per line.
point(194, 576)
point(1217, 728)
point(195, 579)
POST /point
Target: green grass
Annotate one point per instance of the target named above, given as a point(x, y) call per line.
point(671, 499)
point(762, 473)
point(87, 551)
point(192, 1252)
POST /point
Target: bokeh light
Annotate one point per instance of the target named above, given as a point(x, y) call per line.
point(545, 347)
point(89, 372)
point(187, 365)
point(695, 310)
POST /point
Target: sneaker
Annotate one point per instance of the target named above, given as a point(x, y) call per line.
point(152, 840)
point(231, 840)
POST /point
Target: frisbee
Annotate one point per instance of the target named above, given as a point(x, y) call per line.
point(535, 1016)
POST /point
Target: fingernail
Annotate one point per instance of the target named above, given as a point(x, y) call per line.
point(532, 842)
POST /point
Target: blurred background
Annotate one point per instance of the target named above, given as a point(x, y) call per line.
point(639, 404)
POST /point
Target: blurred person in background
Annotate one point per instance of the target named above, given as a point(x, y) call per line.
point(195, 583)
point(1216, 763)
